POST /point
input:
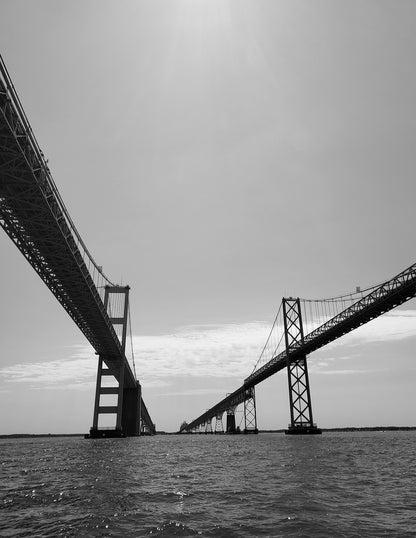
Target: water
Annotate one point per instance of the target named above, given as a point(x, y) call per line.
point(337, 484)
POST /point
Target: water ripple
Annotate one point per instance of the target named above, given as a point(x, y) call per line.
point(340, 484)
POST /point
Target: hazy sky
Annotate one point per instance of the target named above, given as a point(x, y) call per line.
point(217, 155)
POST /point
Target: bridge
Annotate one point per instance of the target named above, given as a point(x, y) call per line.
point(300, 328)
point(34, 216)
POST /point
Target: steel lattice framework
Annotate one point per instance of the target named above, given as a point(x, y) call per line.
point(297, 370)
point(34, 216)
point(384, 298)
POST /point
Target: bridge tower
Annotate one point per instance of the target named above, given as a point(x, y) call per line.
point(231, 419)
point(127, 410)
point(301, 421)
point(250, 415)
point(219, 428)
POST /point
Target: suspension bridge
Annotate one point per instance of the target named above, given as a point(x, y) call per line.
point(34, 216)
point(302, 326)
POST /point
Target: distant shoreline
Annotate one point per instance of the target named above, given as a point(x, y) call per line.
point(30, 435)
point(347, 429)
point(354, 429)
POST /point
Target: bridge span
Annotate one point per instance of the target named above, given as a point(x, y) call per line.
point(34, 216)
point(295, 346)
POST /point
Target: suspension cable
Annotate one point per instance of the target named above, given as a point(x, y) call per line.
point(346, 296)
point(268, 338)
point(131, 344)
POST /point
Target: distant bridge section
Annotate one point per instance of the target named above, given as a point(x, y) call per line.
point(387, 296)
point(381, 299)
point(34, 216)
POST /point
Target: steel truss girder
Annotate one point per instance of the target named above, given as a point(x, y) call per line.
point(33, 215)
point(384, 298)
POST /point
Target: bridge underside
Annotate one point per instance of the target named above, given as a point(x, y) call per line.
point(34, 217)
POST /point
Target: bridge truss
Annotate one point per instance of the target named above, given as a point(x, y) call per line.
point(34, 216)
point(296, 347)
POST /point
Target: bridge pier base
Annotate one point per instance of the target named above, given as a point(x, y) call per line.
point(104, 434)
point(303, 430)
point(130, 417)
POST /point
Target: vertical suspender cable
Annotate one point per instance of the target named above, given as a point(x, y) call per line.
point(131, 345)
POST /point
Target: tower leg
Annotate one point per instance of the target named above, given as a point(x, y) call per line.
point(231, 420)
point(250, 415)
point(127, 408)
point(97, 393)
point(219, 428)
point(301, 421)
point(131, 411)
point(115, 410)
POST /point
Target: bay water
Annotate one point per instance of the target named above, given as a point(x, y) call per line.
point(347, 484)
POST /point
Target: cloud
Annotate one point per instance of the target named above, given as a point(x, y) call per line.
point(73, 372)
point(228, 350)
point(352, 371)
point(193, 351)
point(393, 326)
point(193, 392)
point(208, 351)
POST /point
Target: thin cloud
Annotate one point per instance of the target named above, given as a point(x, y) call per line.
point(193, 351)
point(208, 351)
point(201, 351)
point(74, 372)
point(395, 325)
point(351, 372)
point(193, 392)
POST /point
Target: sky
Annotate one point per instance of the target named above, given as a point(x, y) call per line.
point(217, 155)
